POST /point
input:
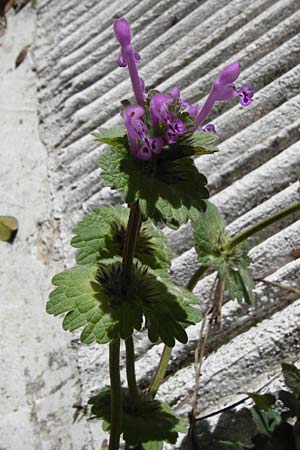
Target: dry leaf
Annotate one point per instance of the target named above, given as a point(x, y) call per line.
point(8, 228)
point(295, 253)
point(21, 56)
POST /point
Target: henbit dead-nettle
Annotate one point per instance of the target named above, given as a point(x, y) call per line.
point(121, 284)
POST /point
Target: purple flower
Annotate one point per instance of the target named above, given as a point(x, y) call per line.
point(210, 128)
point(149, 146)
point(141, 145)
point(160, 114)
point(223, 89)
point(129, 57)
point(193, 110)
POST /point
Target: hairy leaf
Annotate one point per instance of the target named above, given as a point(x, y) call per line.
point(144, 422)
point(209, 235)
point(163, 186)
point(107, 305)
point(112, 136)
point(102, 235)
point(212, 245)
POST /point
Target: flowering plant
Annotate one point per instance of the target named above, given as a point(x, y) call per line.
point(121, 282)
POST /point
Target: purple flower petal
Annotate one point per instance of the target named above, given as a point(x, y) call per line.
point(156, 145)
point(230, 73)
point(144, 152)
point(121, 61)
point(177, 127)
point(122, 31)
point(129, 57)
point(210, 128)
point(175, 92)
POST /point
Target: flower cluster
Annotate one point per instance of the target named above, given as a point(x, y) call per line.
point(171, 117)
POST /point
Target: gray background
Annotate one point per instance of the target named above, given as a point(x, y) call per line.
point(69, 85)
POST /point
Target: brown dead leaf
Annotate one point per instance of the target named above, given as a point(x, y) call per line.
point(295, 253)
point(21, 56)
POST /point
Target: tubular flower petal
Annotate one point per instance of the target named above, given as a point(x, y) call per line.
point(129, 57)
point(141, 145)
point(223, 89)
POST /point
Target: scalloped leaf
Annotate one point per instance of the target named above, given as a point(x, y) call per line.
point(212, 243)
point(99, 299)
point(209, 235)
point(144, 422)
point(162, 185)
point(101, 234)
point(112, 136)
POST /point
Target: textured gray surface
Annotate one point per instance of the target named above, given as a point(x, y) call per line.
point(182, 43)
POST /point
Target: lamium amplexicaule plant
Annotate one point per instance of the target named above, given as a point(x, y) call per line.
point(121, 284)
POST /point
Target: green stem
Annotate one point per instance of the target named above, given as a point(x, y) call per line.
point(166, 354)
point(130, 370)
point(161, 371)
point(240, 237)
point(132, 232)
point(116, 395)
point(196, 277)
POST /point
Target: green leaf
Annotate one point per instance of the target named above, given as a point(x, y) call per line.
point(212, 243)
point(153, 445)
point(102, 234)
point(112, 136)
point(198, 143)
point(209, 234)
point(202, 143)
point(8, 228)
point(266, 421)
point(108, 305)
point(168, 189)
point(262, 401)
point(75, 295)
point(291, 377)
point(144, 422)
point(234, 269)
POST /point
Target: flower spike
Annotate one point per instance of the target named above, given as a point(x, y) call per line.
point(129, 57)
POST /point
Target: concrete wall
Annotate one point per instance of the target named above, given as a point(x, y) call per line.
point(70, 85)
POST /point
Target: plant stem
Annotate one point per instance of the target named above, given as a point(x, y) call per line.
point(166, 354)
point(116, 395)
point(130, 370)
point(161, 371)
point(196, 277)
point(240, 237)
point(133, 228)
point(132, 232)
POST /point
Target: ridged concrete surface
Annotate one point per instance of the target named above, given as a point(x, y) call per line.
point(186, 43)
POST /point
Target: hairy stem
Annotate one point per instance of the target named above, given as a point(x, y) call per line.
point(240, 237)
point(130, 369)
point(132, 232)
point(133, 228)
point(116, 395)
